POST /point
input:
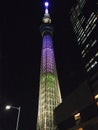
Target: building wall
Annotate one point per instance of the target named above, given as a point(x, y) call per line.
point(79, 101)
point(84, 19)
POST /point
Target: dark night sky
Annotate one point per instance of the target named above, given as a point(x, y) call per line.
point(21, 51)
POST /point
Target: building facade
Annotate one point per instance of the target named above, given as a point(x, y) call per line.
point(78, 111)
point(49, 91)
point(84, 19)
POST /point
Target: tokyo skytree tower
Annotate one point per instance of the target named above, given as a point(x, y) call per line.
point(49, 91)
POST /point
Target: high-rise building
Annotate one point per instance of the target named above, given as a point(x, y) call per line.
point(49, 91)
point(84, 19)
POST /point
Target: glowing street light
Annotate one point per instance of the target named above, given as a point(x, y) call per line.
point(8, 107)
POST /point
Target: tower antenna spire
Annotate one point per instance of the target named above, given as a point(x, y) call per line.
point(46, 8)
point(46, 18)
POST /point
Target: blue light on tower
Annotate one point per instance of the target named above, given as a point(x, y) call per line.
point(46, 7)
point(46, 4)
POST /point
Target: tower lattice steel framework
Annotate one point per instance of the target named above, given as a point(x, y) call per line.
point(49, 91)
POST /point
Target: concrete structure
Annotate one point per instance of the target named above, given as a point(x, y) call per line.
point(78, 111)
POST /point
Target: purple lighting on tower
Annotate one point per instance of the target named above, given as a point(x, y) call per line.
point(48, 64)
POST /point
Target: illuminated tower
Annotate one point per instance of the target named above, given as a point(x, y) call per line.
point(49, 93)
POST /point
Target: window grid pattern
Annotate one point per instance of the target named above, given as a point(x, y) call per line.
point(85, 28)
point(93, 61)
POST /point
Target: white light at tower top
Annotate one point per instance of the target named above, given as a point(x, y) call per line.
point(46, 7)
point(46, 11)
point(46, 4)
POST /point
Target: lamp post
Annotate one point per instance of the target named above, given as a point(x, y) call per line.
point(7, 107)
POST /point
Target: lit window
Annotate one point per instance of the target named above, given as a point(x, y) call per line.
point(82, 52)
point(93, 43)
point(96, 96)
point(87, 65)
point(94, 64)
point(89, 32)
point(84, 55)
point(84, 40)
point(93, 26)
point(94, 19)
point(91, 60)
point(86, 46)
point(96, 54)
point(78, 39)
point(91, 16)
point(96, 99)
point(80, 129)
point(88, 69)
point(77, 116)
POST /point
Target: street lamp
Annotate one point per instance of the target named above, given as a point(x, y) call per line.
point(7, 107)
